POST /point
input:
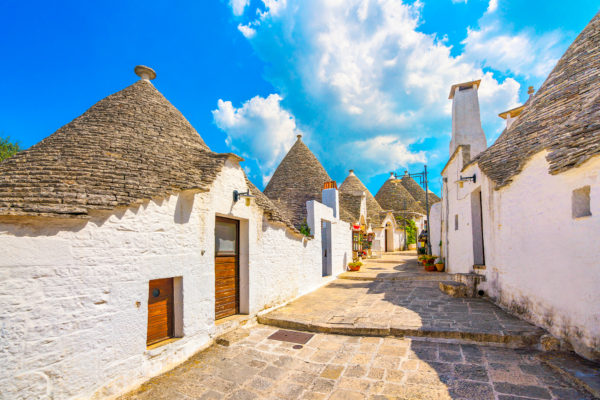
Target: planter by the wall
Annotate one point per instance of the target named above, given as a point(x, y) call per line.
point(439, 267)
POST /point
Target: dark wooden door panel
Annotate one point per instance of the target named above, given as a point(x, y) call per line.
point(160, 310)
point(227, 299)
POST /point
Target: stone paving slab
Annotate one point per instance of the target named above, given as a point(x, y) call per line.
point(583, 373)
point(398, 266)
point(349, 367)
point(402, 308)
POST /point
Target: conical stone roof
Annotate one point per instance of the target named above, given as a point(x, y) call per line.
point(392, 196)
point(563, 117)
point(351, 185)
point(417, 192)
point(298, 178)
point(129, 147)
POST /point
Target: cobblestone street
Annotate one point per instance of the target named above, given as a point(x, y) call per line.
point(446, 348)
point(349, 367)
point(400, 299)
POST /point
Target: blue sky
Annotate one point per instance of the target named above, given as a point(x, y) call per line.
point(364, 81)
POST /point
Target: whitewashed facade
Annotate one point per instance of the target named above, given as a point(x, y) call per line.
point(538, 255)
point(74, 292)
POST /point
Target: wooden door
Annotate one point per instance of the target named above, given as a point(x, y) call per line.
point(386, 239)
point(160, 310)
point(227, 281)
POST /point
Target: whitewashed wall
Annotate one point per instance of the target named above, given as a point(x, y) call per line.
point(435, 228)
point(457, 243)
point(540, 262)
point(397, 236)
point(74, 292)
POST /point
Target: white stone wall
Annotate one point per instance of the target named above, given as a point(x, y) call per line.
point(540, 262)
point(74, 292)
point(456, 201)
point(397, 235)
point(435, 228)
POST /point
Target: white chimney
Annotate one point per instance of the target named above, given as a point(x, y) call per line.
point(330, 197)
point(466, 120)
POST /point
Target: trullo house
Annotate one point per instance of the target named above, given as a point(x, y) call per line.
point(305, 193)
point(381, 224)
point(525, 212)
point(127, 244)
point(393, 196)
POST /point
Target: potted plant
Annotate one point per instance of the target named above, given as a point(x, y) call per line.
point(354, 265)
point(439, 264)
point(428, 262)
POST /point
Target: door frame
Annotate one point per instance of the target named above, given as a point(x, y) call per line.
point(237, 264)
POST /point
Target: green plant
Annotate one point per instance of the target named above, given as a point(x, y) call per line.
point(355, 264)
point(411, 229)
point(440, 260)
point(305, 229)
point(8, 148)
point(421, 250)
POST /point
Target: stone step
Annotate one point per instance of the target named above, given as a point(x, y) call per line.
point(514, 339)
point(582, 373)
point(435, 277)
point(454, 289)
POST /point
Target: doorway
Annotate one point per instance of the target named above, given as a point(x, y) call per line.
point(227, 267)
point(477, 224)
point(160, 311)
point(327, 261)
point(389, 238)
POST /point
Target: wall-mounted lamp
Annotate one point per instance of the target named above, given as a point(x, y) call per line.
point(467, 179)
point(246, 194)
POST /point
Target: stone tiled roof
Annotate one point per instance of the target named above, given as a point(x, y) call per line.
point(298, 178)
point(392, 196)
point(129, 147)
point(272, 212)
point(417, 192)
point(563, 117)
point(352, 185)
point(351, 203)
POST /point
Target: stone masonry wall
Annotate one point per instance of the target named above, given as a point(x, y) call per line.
point(74, 292)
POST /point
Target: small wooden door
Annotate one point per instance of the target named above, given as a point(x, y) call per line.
point(227, 281)
point(386, 240)
point(160, 310)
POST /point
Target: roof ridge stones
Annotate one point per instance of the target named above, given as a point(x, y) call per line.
point(562, 117)
point(129, 147)
point(353, 184)
point(417, 192)
point(299, 178)
point(392, 196)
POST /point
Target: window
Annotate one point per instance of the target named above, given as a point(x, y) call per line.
point(455, 222)
point(580, 202)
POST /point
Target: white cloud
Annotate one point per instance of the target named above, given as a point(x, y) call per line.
point(383, 153)
point(260, 127)
point(459, 1)
point(247, 30)
point(352, 69)
point(238, 6)
point(522, 53)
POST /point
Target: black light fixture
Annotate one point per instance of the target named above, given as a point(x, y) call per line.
point(468, 178)
point(237, 195)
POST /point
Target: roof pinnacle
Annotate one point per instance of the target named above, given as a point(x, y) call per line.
point(144, 72)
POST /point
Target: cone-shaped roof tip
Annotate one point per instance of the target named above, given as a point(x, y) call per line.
point(299, 136)
point(144, 72)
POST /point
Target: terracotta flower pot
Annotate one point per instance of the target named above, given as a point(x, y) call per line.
point(430, 267)
point(440, 267)
point(353, 268)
